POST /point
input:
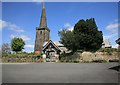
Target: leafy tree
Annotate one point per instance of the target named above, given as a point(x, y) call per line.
point(67, 39)
point(17, 44)
point(6, 49)
point(85, 36)
point(88, 36)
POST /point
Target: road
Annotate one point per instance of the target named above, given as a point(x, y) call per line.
point(59, 73)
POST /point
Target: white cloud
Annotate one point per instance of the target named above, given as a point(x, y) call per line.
point(3, 24)
point(12, 36)
point(71, 28)
point(35, 0)
point(38, 2)
point(15, 28)
point(113, 28)
point(29, 46)
point(28, 51)
point(68, 26)
point(0, 25)
point(10, 26)
point(110, 36)
point(115, 46)
point(24, 37)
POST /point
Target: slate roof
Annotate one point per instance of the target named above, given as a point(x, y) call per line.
point(58, 44)
point(118, 41)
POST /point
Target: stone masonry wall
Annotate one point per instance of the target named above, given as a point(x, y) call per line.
point(88, 56)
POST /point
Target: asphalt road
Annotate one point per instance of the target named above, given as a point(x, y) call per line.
point(59, 73)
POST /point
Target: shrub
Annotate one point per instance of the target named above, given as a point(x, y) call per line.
point(81, 51)
point(99, 61)
point(114, 60)
point(62, 56)
point(67, 61)
point(107, 50)
point(76, 61)
point(86, 61)
point(22, 55)
point(61, 60)
point(65, 56)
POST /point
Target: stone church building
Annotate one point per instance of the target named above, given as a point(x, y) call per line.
point(42, 32)
point(43, 44)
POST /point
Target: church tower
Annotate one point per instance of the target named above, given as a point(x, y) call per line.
point(42, 32)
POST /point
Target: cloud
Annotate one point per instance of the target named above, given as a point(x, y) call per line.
point(68, 26)
point(115, 46)
point(35, 0)
point(110, 36)
point(2, 24)
point(10, 26)
point(71, 28)
point(38, 2)
point(113, 27)
point(24, 37)
point(29, 46)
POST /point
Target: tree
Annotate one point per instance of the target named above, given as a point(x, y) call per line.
point(6, 49)
point(67, 39)
point(85, 36)
point(17, 44)
point(88, 36)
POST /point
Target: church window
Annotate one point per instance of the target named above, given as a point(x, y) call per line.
point(40, 32)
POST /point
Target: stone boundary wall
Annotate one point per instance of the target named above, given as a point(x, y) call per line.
point(27, 59)
point(85, 56)
point(89, 56)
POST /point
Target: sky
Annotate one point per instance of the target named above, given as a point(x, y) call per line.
point(20, 19)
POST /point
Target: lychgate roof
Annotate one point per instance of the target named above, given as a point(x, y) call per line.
point(48, 43)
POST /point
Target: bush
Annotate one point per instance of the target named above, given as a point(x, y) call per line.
point(86, 61)
point(99, 61)
point(81, 51)
point(76, 61)
point(22, 55)
point(67, 61)
point(62, 61)
point(65, 56)
point(107, 50)
point(114, 60)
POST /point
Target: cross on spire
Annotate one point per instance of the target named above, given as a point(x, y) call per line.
point(43, 5)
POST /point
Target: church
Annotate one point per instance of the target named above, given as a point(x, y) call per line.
point(43, 43)
point(49, 48)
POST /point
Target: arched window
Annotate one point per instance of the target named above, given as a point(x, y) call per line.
point(40, 32)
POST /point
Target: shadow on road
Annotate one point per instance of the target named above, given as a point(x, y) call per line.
point(117, 68)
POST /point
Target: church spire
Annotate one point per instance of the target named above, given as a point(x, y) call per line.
point(42, 32)
point(43, 21)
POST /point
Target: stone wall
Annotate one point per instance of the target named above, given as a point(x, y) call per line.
point(85, 56)
point(27, 59)
point(89, 56)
